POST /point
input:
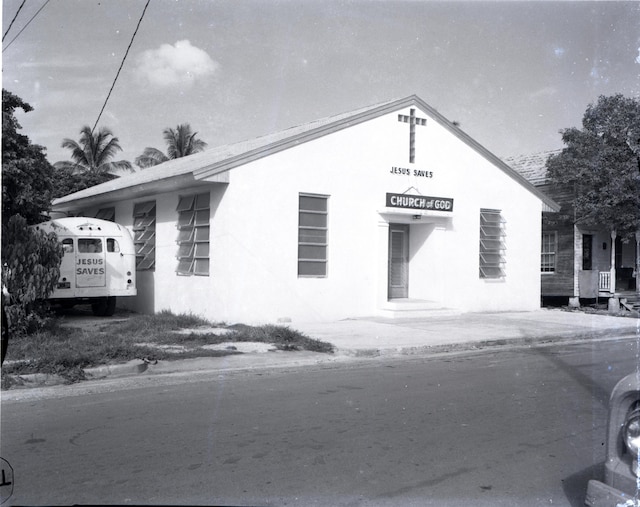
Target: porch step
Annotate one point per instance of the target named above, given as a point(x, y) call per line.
point(415, 309)
point(631, 303)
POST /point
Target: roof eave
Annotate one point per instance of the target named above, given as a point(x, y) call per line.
point(387, 107)
point(304, 137)
point(70, 203)
point(216, 171)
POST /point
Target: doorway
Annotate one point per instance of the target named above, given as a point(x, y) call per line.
point(625, 260)
point(398, 261)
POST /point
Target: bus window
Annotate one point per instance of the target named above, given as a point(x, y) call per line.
point(67, 245)
point(112, 245)
point(90, 245)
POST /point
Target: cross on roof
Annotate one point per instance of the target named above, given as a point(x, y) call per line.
point(412, 120)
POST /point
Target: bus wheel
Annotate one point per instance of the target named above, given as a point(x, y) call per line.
point(104, 307)
point(99, 307)
point(110, 306)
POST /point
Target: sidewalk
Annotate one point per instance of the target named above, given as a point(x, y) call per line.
point(373, 337)
point(378, 336)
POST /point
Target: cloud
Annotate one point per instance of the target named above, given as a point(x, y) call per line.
point(638, 57)
point(177, 65)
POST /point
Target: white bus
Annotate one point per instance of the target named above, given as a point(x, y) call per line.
point(99, 263)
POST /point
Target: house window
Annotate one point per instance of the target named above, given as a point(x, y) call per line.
point(312, 235)
point(587, 252)
point(193, 236)
point(144, 235)
point(548, 256)
point(492, 245)
point(107, 214)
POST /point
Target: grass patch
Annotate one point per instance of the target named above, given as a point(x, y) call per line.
point(64, 350)
point(283, 337)
point(149, 325)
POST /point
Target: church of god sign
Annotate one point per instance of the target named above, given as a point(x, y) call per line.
point(422, 202)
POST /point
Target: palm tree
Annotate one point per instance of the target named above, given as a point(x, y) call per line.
point(93, 153)
point(180, 143)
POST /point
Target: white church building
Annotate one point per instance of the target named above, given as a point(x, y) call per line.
point(389, 210)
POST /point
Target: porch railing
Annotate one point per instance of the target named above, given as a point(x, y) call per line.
point(604, 281)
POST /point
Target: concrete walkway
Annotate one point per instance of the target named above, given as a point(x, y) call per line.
point(377, 336)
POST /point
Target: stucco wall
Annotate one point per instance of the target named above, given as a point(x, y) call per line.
point(254, 231)
point(258, 217)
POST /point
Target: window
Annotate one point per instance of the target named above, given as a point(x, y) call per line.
point(193, 235)
point(549, 247)
point(144, 235)
point(67, 245)
point(312, 235)
point(587, 252)
point(107, 214)
point(90, 245)
point(113, 246)
point(492, 246)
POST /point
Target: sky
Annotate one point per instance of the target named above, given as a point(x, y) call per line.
point(512, 74)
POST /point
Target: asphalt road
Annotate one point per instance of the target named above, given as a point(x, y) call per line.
point(513, 426)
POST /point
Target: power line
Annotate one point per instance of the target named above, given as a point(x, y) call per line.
point(121, 65)
point(14, 18)
point(25, 26)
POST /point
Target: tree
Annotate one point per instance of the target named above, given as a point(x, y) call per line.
point(93, 153)
point(180, 143)
point(30, 259)
point(27, 176)
point(67, 180)
point(601, 164)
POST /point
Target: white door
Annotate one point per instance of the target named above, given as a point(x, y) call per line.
point(90, 263)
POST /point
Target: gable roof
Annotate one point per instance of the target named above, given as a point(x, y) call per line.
point(533, 167)
point(214, 164)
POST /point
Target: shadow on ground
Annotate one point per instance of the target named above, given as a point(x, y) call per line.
point(575, 486)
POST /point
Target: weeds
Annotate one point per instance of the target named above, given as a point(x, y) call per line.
point(283, 337)
point(66, 351)
point(63, 349)
point(151, 325)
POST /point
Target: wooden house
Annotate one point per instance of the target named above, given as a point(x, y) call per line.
point(577, 260)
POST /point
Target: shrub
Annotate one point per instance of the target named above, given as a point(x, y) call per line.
point(31, 267)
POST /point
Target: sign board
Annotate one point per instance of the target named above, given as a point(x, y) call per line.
point(421, 202)
point(90, 263)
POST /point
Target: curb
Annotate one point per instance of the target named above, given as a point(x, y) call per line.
point(52, 379)
point(133, 367)
point(486, 344)
point(136, 367)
